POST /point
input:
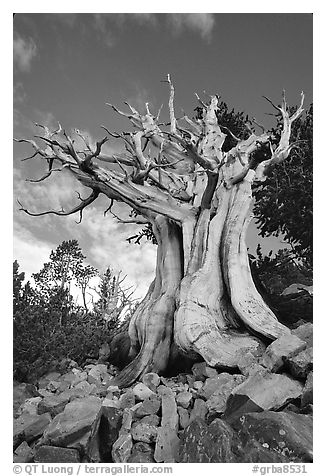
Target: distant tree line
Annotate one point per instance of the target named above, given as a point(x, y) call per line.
point(49, 325)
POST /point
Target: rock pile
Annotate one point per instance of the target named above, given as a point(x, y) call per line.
point(256, 415)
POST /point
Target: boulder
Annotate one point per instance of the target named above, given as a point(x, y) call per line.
point(199, 371)
point(197, 385)
point(109, 402)
point(222, 384)
point(108, 430)
point(221, 387)
point(141, 391)
point(54, 404)
point(183, 417)
point(153, 420)
point(144, 432)
point(21, 392)
point(36, 428)
point(150, 406)
point(29, 427)
point(80, 390)
point(127, 418)
point(29, 406)
point(142, 453)
point(284, 433)
point(281, 349)
point(54, 454)
point(307, 395)
point(301, 364)
point(53, 386)
point(167, 443)
point(262, 391)
point(127, 400)
point(151, 380)
point(23, 453)
point(97, 374)
point(183, 399)
point(199, 410)
point(77, 419)
point(305, 333)
point(121, 449)
point(249, 364)
point(217, 443)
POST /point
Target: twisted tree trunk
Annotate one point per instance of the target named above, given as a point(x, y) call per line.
point(197, 198)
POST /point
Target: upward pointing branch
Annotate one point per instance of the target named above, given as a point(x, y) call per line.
point(171, 106)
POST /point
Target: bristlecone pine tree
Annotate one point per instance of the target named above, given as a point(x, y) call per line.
point(197, 199)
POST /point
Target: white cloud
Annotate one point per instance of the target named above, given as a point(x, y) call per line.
point(30, 252)
point(24, 52)
point(19, 93)
point(104, 33)
point(201, 23)
point(104, 242)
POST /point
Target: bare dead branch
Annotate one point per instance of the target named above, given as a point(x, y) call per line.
point(44, 177)
point(137, 221)
point(79, 208)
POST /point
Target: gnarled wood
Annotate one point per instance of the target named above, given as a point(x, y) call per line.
point(197, 198)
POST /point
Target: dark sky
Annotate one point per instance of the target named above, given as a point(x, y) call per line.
point(67, 66)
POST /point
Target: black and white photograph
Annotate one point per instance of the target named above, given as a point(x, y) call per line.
point(162, 241)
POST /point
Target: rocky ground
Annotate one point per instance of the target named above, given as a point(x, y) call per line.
point(261, 414)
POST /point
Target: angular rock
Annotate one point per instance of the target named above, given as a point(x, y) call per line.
point(23, 453)
point(301, 364)
point(153, 420)
point(216, 403)
point(305, 333)
point(183, 399)
point(199, 371)
point(29, 406)
point(126, 423)
point(121, 449)
point(53, 386)
point(29, 427)
point(284, 433)
point(54, 404)
point(167, 443)
point(151, 380)
point(282, 348)
point(142, 453)
point(307, 395)
point(197, 385)
point(75, 421)
point(127, 400)
point(217, 443)
point(80, 390)
point(222, 384)
point(21, 392)
point(199, 410)
point(108, 402)
point(150, 406)
point(183, 417)
point(248, 364)
point(36, 428)
point(144, 432)
point(109, 428)
point(262, 391)
point(54, 454)
point(97, 374)
point(141, 391)
point(143, 447)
